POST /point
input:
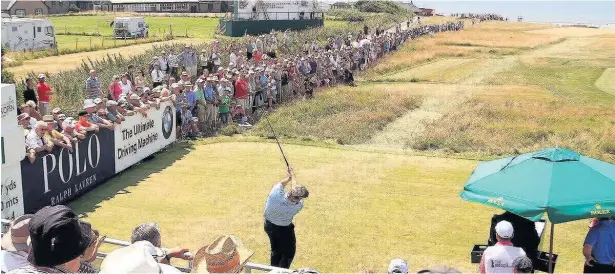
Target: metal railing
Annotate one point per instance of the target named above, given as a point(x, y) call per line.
point(101, 255)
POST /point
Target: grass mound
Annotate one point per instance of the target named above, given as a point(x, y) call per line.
point(345, 114)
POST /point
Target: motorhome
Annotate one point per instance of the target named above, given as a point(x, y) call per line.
point(20, 34)
point(129, 27)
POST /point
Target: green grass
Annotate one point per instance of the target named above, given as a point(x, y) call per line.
point(196, 27)
point(365, 208)
point(344, 114)
point(78, 43)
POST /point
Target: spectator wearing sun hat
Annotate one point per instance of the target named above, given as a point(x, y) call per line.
point(113, 113)
point(499, 257)
point(226, 254)
point(68, 130)
point(137, 258)
point(14, 252)
point(58, 239)
point(26, 122)
point(91, 108)
point(54, 136)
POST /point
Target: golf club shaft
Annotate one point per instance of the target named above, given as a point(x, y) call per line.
point(278, 142)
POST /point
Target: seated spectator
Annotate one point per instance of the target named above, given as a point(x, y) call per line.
point(397, 266)
point(68, 130)
point(225, 102)
point(150, 232)
point(91, 108)
point(522, 264)
point(84, 124)
point(440, 269)
point(14, 252)
point(24, 121)
point(113, 113)
point(54, 136)
point(137, 258)
point(499, 257)
point(58, 240)
point(35, 141)
point(239, 114)
point(218, 257)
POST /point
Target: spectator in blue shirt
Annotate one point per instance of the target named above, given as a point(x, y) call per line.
point(599, 248)
point(190, 99)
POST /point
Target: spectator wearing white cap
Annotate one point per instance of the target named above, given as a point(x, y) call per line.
point(139, 257)
point(157, 76)
point(113, 113)
point(134, 104)
point(398, 266)
point(173, 62)
point(54, 136)
point(499, 257)
point(91, 107)
point(68, 130)
point(44, 94)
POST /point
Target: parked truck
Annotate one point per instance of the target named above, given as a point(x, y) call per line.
point(129, 27)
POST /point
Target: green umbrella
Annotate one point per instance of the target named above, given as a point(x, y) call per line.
point(560, 182)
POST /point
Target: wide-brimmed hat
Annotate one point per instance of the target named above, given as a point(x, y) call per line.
point(226, 254)
point(135, 258)
point(16, 239)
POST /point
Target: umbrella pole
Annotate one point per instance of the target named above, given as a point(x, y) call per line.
point(551, 250)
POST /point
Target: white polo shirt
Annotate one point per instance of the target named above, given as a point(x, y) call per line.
point(499, 257)
point(279, 210)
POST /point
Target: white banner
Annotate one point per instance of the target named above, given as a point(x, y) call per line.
point(12, 192)
point(139, 136)
point(9, 107)
point(13, 145)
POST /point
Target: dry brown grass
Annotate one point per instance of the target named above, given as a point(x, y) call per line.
point(573, 32)
point(496, 38)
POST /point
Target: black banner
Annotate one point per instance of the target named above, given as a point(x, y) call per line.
point(60, 176)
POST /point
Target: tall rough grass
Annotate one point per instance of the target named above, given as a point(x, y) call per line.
point(343, 114)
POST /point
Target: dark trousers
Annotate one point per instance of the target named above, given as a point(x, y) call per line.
point(599, 268)
point(283, 244)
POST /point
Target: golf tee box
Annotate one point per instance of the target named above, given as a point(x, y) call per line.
point(477, 253)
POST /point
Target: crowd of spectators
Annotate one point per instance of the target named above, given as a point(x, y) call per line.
point(480, 16)
point(211, 89)
point(56, 240)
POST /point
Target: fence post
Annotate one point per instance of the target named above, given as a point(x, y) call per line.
point(76, 41)
point(90, 42)
point(186, 32)
point(171, 31)
point(114, 42)
point(102, 43)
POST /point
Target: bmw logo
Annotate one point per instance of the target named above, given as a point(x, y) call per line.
point(167, 122)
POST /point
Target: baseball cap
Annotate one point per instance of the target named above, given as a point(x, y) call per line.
point(134, 97)
point(42, 75)
point(97, 101)
point(111, 103)
point(23, 116)
point(88, 103)
point(504, 229)
point(57, 236)
point(398, 266)
point(56, 110)
point(48, 118)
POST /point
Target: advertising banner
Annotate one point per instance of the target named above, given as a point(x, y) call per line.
point(12, 193)
point(9, 107)
point(13, 146)
point(62, 175)
point(139, 136)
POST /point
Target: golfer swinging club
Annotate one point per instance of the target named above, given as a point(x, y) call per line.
point(280, 209)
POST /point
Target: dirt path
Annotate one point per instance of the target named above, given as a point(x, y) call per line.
point(71, 61)
point(439, 99)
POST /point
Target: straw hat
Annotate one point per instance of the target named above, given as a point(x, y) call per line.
point(226, 254)
point(16, 239)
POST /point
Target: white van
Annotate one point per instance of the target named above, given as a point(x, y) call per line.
point(129, 27)
point(20, 34)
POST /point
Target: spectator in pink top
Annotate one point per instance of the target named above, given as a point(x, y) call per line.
point(115, 90)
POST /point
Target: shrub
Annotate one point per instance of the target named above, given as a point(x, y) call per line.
point(73, 8)
point(379, 6)
point(7, 77)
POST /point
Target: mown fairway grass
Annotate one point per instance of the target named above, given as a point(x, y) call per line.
point(364, 207)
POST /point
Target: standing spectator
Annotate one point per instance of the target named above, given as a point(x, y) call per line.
point(599, 247)
point(215, 57)
point(201, 103)
point(211, 100)
point(44, 94)
point(241, 90)
point(522, 264)
point(130, 74)
point(173, 61)
point(191, 99)
point(526, 236)
point(225, 102)
point(115, 89)
point(14, 252)
point(203, 60)
point(139, 80)
point(398, 266)
point(232, 60)
point(35, 141)
point(249, 50)
point(126, 85)
point(184, 80)
point(92, 86)
point(280, 209)
point(189, 61)
point(157, 76)
point(163, 60)
point(28, 92)
point(58, 240)
point(499, 257)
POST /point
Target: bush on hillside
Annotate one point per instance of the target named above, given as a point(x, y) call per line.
point(7, 77)
point(350, 15)
point(379, 6)
point(73, 8)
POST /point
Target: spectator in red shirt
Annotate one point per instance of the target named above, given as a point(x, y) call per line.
point(241, 90)
point(44, 94)
point(115, 90)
